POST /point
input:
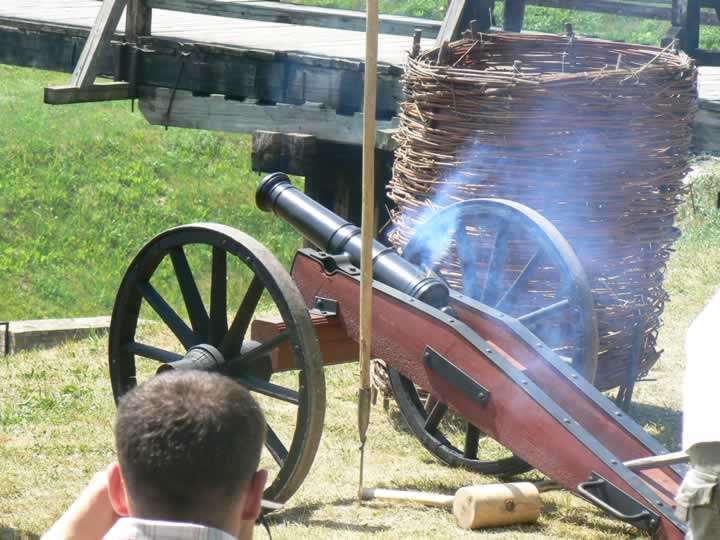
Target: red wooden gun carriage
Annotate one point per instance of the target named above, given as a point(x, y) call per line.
point(448, 354)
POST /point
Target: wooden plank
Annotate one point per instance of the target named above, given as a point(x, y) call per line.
point(103, 29)
point(450, 28)
point(64, 95)
point(43, 333)
point(335, 346)
point(277, 12)
point(292, 153)
point(220, 114)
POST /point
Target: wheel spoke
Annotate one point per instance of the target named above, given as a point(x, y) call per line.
point(472, 438)
point(275, 446)
point(429, 404)
point(234, 338)
point(167, 314)
point(148, 351)
point(218, 297)
point(288, 395)
point(435, 416)
point(262, 350)
point(468, 261)
point(493, 279)
point(544, 312)
point(521, 281)
point(193, 301)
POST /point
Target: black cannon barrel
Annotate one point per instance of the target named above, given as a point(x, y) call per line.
point(334, 235)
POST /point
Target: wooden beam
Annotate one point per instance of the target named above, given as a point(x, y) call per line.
point(266, 76)
point(248, 116)
point(99, 38)
point(686, 16)
point(45, 46)
point(703, 57)
point(292, 153)
point(692, 30)
point(138, 20)
point(450, 29)
point(514, 15)
point(674, 33)
point(64, 95)
point(278, 12)
point(483, 13)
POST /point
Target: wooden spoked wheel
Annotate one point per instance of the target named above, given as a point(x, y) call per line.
point(510, 258)
point(185, 282)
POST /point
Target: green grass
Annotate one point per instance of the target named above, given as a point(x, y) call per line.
point(83, 187)
point(56, 414)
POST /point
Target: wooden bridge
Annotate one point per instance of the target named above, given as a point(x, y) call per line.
point(252, 66)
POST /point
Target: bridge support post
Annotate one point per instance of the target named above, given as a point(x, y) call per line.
point(138, 21)
point(514, 15)
point(332, 171)
point(685, 24)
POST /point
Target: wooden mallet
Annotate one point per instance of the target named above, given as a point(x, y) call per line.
point(495, 505)
point(475, 507)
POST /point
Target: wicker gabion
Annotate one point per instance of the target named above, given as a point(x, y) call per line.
point(594, 135)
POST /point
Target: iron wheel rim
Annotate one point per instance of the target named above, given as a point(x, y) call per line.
point(272, 277)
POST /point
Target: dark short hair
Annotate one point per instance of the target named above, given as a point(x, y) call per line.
point(186, 442)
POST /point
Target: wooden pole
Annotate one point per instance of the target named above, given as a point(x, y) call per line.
point(653, 462)
point(368, 221)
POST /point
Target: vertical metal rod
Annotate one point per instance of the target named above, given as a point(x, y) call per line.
point(368, 221)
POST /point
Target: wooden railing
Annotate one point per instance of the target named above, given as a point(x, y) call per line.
point(300, 14)
point(684, 16)
point(646, 9)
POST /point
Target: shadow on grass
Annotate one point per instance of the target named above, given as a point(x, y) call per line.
point(303, 515)
point(10, 533)
point(666, 423)
point(588, 520)
point(396, 419)
point(584, 517)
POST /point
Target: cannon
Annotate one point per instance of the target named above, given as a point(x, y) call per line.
point(452, 356)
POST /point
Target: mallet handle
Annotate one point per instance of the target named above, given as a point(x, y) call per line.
point(428, 499)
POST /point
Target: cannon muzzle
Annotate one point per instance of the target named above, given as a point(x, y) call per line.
point(336, 236)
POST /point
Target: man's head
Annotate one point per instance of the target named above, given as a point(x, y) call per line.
point(189, 445)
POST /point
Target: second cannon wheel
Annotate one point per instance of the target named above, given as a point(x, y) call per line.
point(511, 258)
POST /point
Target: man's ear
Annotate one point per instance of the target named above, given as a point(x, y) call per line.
point(116, 487)
point(253, 495)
